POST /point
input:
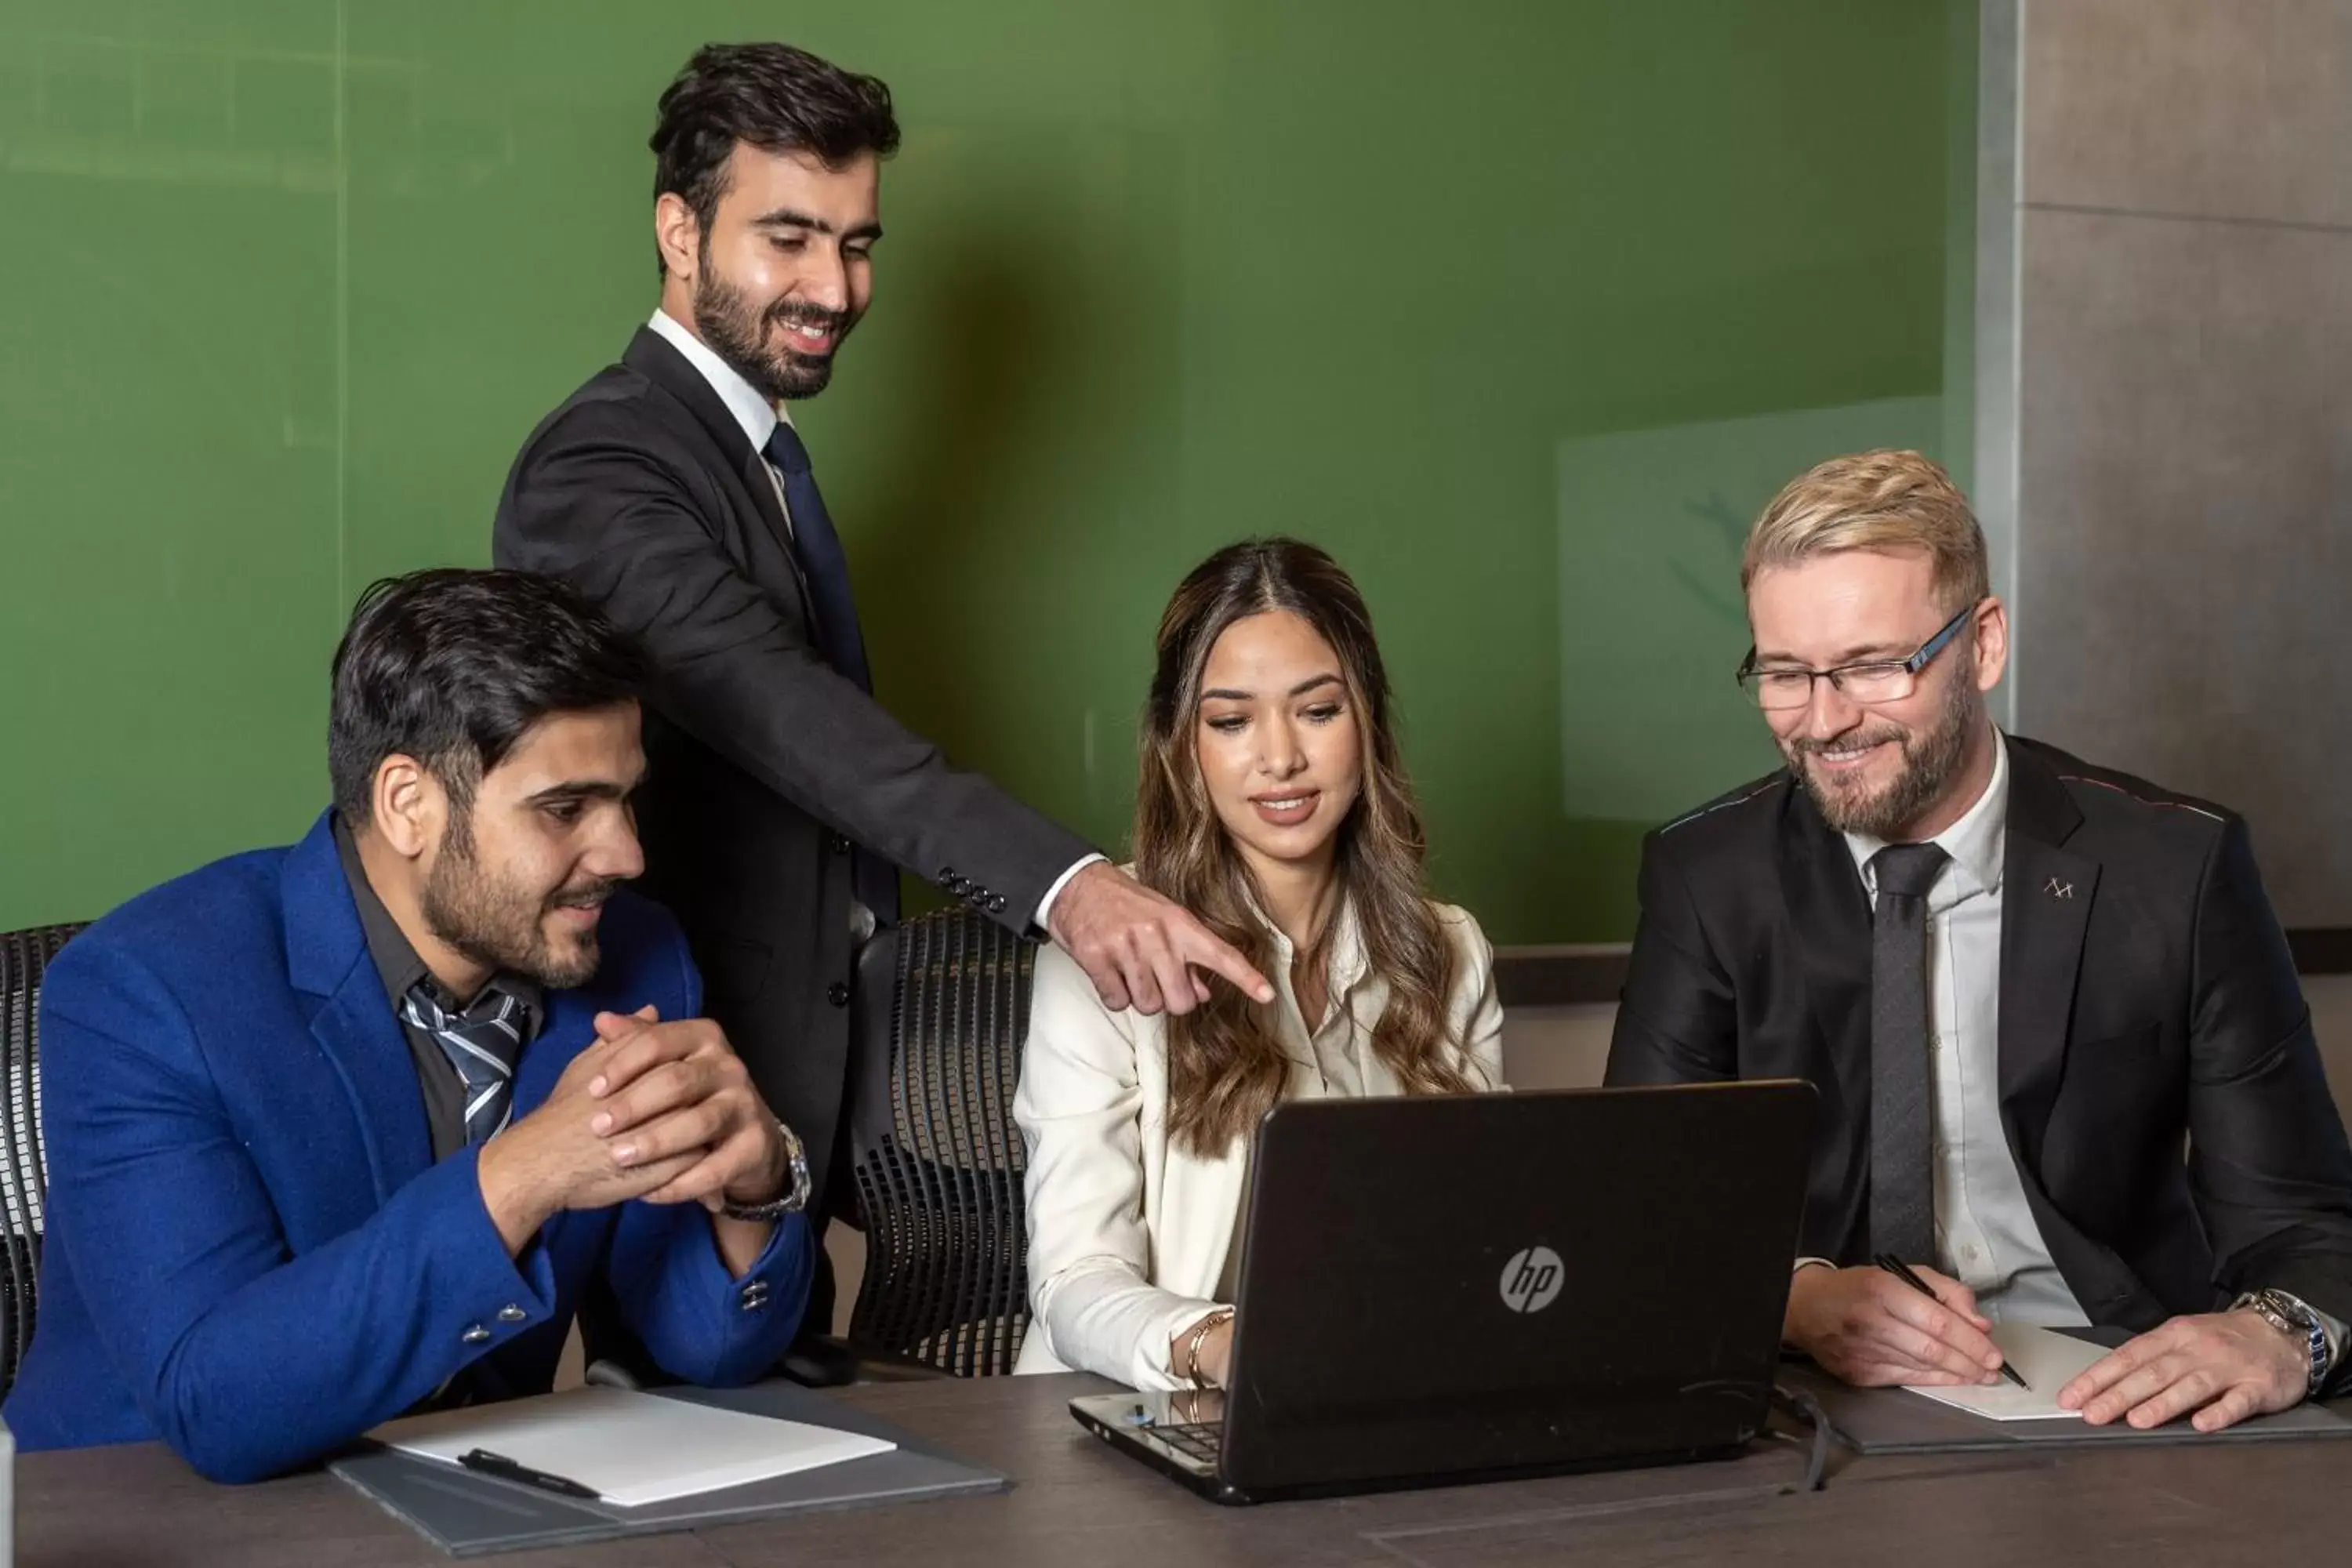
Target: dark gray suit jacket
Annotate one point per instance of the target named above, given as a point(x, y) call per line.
point(2148, 1001)
point(644, 492)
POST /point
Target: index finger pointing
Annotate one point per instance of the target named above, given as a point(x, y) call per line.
point(1197, 944)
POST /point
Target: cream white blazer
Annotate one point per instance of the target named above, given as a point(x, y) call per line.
point(1128, 1235)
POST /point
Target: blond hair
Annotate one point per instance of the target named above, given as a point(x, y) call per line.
point(1874, 500)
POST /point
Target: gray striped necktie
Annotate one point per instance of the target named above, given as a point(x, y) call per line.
point(482, 1043)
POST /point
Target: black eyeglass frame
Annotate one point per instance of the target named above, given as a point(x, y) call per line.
point(1747, 670)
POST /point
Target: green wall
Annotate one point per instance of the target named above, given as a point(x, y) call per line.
point(1520, 309)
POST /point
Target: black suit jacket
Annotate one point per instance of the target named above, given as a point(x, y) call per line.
point(2148, 1001)
point(644, 492)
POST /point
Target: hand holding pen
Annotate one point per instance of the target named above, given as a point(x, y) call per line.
point(1872, 1328)
point(1901, 1271)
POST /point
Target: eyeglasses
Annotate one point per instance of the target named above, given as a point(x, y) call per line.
point(1782, 686)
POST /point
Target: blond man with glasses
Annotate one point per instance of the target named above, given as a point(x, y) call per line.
point(2021, 984)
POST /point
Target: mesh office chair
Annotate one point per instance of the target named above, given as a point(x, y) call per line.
point(943, 1008)
point(24, 955)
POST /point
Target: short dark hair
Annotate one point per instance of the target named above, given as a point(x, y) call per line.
point(452, 666)
point(773, 96)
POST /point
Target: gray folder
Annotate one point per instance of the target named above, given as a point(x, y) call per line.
point(468, 1514)
point(1897, 1421)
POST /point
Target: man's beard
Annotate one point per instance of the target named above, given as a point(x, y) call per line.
point(724, 319)
point(1931, 760)
point(502, 926)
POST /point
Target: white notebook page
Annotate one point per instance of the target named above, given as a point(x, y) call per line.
point(2046, 1359)
point(630, 1449)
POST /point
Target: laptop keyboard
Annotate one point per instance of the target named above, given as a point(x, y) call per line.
point(1202, 1442)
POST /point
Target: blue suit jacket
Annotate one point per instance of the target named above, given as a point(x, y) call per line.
point(251, 1254)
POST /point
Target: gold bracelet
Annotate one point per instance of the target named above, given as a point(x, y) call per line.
point(1201, 1332)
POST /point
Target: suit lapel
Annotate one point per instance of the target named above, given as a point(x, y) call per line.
point(656, 359)
point(2046, 894)
point(327, 958)
point(1829, 918)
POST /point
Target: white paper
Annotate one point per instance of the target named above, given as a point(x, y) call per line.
point(630, 1449)
point(2047, 1359)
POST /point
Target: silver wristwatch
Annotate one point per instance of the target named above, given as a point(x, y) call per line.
point(2291, 1318)
point(795, 1196)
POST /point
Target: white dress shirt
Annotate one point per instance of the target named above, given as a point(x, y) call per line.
point(1986, 1237)
point(1131, 1236)
point(758, 417)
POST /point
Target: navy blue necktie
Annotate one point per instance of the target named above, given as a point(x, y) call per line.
point(825, 567)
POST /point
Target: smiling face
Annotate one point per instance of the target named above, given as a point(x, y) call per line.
point(1899, 771)
point(517, 881)
point(1277, 742)
point(785, 269)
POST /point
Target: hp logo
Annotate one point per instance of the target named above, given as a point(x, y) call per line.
point(1532, 1278)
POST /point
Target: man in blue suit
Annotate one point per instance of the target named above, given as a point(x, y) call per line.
point(347, 1130)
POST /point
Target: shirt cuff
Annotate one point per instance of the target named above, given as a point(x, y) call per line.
point(1811, 1263)
point(1046, 905)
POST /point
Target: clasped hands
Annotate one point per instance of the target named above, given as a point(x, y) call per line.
point(1865, 1327)
point(661, 1111)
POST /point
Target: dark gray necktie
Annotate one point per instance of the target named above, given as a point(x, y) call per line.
point(1902, 1107)
point(482, 1043)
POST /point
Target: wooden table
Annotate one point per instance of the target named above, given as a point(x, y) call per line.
point(1074, 1502)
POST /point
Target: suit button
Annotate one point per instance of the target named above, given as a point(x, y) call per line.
point(948, 878)
point(840, 845)
point(477, 1335)
point(837, 994)
point(510, 1314)
point(996, 904)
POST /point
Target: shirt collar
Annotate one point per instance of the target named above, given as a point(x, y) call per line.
point(395, 956)
point(1346, 961)
point(755, 414)
point(1976, 843)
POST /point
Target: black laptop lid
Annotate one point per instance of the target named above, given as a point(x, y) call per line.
point(1483, 1282)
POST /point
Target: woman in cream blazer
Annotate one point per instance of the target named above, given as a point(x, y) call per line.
point(1271, 709)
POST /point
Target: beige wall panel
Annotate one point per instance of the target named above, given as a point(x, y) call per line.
point(2185, 559)
point(2218, 107)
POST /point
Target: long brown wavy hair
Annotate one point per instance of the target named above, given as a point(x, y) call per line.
point(1226, 1067)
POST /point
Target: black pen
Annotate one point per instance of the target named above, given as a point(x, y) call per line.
point(1902, 1271)
point(506, 1469)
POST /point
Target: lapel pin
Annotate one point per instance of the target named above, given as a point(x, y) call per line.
point(2058, 889)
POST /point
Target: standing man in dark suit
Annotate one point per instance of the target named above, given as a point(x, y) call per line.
point(2019, 983)
point(674, 491)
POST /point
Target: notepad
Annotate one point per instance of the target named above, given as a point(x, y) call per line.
point(2046, 1359)
point(629, 1449)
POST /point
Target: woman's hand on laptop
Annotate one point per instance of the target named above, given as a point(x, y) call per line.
point(1865, 1327)
point(1216, 1352)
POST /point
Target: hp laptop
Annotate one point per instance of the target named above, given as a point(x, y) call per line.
point(1448, 1288)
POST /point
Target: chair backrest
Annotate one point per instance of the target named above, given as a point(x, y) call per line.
point(24, 1176)
point(943, 1009)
